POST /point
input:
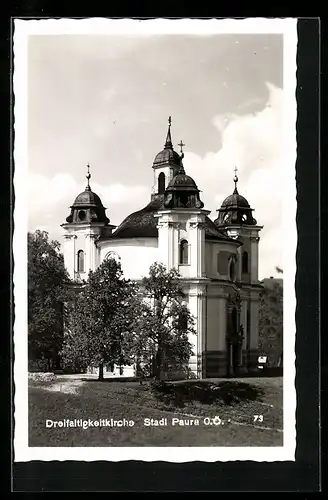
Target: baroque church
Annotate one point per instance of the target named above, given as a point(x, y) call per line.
point(217, 259)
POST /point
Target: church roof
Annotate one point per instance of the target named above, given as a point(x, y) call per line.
point(143, 223)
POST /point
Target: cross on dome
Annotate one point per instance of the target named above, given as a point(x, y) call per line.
point(181, 146)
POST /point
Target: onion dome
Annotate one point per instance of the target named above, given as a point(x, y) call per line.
point(87, 207)
point(235, 209)
point(167, 157)
point(182, 191)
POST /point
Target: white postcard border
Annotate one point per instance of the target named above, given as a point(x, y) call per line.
point(23, 28)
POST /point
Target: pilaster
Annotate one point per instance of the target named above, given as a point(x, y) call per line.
point(69, 252)
point(197, 248)
point(254, 258)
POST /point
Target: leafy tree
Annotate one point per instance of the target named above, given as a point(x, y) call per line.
point(47, 279)
point(164, 324)
point(271, 323)
point(100, 329)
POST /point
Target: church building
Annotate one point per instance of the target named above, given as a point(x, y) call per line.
point(217, 259)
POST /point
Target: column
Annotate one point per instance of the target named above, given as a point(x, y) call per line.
point(92, 238)
point(222, 304)
point(194, 339)
point(173, 245)
point(197, 249)
point(69, 254)
point(243, 321)
point(254, 258)
point(239, 266)
point(201, 330)
point(87, 254)
point(163, 239)
point(254, 306)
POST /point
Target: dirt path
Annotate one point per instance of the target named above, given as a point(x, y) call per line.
point(68, 386)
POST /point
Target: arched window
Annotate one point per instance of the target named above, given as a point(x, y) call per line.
point(183, 257)
point(80, 261)
point(161, 183)
point(112, 255)
point(245, 262)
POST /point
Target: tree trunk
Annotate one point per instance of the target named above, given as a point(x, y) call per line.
point(158, 364)
point(101, 371)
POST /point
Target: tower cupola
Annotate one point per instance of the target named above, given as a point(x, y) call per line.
point(235, 209)
point(87, 207)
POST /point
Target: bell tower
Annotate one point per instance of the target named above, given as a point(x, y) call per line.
point(235, 217)
point(85, 224)
point(181, 245)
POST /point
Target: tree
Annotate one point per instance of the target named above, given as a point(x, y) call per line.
point(102, 316)
point(165, 323)
point(47, 280)
point(271, 323)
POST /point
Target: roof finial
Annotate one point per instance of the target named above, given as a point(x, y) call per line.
point(181, 146)
point(235, 180)
point(88, 176)
point(168, 142)
point(181, 169)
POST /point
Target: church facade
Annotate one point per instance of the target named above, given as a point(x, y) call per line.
point(217, 259)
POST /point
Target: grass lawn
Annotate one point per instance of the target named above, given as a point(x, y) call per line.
point(235, 401)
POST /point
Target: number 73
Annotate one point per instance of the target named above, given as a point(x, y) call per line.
point(258, 418)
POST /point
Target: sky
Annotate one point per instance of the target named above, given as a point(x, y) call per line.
point(105, 100)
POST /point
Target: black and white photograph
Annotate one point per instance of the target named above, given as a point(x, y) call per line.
point(155, 239)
